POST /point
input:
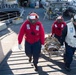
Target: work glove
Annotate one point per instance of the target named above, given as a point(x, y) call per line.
point(42, 47)
point(19, 46)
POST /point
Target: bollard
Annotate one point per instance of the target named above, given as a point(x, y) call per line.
point(1, 53)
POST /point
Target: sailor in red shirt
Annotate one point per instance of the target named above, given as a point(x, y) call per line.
point(57, 27)
point(33, 32)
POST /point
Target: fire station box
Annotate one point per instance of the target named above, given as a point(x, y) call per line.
point(17, 20)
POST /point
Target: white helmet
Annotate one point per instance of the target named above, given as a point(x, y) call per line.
point(59, 19)
point(33, 17)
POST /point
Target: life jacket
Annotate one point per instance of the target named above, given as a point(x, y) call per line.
point(71, 35)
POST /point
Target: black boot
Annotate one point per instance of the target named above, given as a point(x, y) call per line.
point(67, 68)
point(36, 67)
point(30, 59)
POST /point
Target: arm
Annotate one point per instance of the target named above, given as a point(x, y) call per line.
point(21, 33)
point(64, 33)
point(53, 30)
point(64, 24)
point(42, 34)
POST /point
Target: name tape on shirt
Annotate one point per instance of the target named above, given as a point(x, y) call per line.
point(28, 26)
point(37, 28)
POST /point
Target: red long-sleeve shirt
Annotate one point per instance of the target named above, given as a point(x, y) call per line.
point(57, 28)
point(32, 33)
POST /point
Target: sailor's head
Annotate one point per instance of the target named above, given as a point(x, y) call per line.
point(33, 17)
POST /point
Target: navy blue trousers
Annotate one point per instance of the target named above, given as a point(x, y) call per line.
point(33, 50)
point(68, 55)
